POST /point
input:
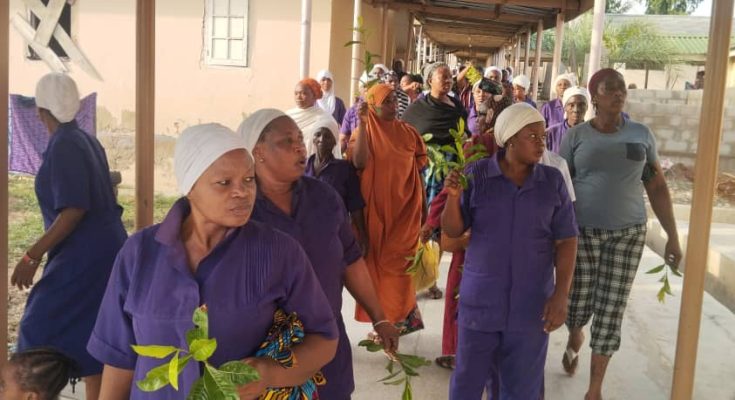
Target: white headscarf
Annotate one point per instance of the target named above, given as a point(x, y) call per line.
point(491, 69)
point(252, 127)
point(571, 78)
point(513, 119)
point(522, 81)
point(58, 93)
point(312, 119)
point(379, 69)
point(328, 101)
point(575, 91)
point(197, 148)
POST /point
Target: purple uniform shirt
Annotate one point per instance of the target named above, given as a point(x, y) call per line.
point(553, 112)
point(152, 293)
point(554, 136)
point(342, 176)
point(530, 101)
point(509, 266)
point(320, 223)
point(351, 121)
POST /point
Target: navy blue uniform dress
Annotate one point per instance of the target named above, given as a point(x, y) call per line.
point(63, 304)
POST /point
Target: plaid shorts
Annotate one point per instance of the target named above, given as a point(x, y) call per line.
point(607, 261)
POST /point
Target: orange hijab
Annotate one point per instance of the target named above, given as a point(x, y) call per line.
point(315, 87)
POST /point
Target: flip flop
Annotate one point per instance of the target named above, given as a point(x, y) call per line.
point(569, 361)
point(435, 293)
point(445, 362)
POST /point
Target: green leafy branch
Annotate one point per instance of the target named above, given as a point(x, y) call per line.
point(368, 57)
point(215, 383)
point(416, 261)
point(407, 368)
point(439, 166)
point(666, 287)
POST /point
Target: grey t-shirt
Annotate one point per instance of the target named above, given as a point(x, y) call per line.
point(606, 171)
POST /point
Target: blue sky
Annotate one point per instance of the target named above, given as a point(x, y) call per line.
point(704, 9)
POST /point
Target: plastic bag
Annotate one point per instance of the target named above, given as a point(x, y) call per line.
point(424, 268)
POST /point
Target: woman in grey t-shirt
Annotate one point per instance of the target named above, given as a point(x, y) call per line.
point(612, 160)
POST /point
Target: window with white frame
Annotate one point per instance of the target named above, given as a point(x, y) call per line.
point(226, 33)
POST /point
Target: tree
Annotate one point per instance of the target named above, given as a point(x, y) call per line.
point(618, 6)
point(674, 7)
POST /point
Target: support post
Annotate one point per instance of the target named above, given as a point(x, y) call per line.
point(537, 62)
point(384, 35)
point(4, 92)
point(356, 51)
point(517, 63)
point(708, 151)
point(598, 22)
point(558, 45)
point(145, 94)
point(526, 64)
point(304, 60)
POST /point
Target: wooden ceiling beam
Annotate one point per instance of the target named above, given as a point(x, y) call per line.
point(457, 12)
point(549, 4)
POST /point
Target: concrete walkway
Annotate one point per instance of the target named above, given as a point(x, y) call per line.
point(642, 370)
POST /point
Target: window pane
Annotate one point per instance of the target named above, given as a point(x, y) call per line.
point(219, 49)
point(237, 7)
point(219, 28)
point(237, 28)
point(236, 51)
point(220, 7)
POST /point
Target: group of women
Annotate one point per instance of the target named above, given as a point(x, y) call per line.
point(287, 211)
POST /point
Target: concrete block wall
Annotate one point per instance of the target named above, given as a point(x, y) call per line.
point(674, 116)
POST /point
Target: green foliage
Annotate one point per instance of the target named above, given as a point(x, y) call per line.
point(408, 366)
point(618, 6)
point(415, 261)
point(637, 42)
point(439, 166)
point(216, 383)
point(665, 287)
point(673, 7)
point(368, 57)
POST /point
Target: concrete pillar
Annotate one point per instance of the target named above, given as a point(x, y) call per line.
point(558, 43)
point(517, 61)
point(305, 55)
point(384, 36)
point(527, 62)
point(598, 24)
point(356, 51)
point(537, 61)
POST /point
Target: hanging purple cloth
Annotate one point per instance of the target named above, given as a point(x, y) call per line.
point(28, 136)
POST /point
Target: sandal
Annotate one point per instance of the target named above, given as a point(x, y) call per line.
point(445, 362)
point(435, 293)
point(569, 361)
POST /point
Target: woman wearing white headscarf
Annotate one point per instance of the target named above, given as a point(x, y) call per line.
point(553, 111)
point(83, 232)
point(313, 213)
point(329, 101)
point(576, 101)
point(521, 86)
point(494, 74)
point(309, 116)
point(208, 251)
point(509, 298)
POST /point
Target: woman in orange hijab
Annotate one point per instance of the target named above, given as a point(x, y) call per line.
point(390, 155)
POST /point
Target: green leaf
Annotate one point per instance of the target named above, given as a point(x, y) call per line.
point(390, 366)
point(460, 125)
point(391, 376)
point(202, 349)
point(352, 43)
point(173, 371)
point(477, 148)
point(476, 157)
point(463, 181)
point(155, 379)
point(667, 288)
point(661, 295)
point(407, 391)
point(198, 391)
point(675, 271)
point(194, 334)
point(656, 269)
point(449, 149)
point(154, 351)
point(239, 373)
point(395, 382)
point(218, 386)
point(201, 320)
point(427, 137)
